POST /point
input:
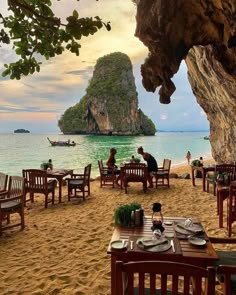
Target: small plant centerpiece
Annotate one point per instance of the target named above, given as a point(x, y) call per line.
point(123, 214)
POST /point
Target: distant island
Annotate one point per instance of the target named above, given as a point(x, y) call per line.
point(21, 131)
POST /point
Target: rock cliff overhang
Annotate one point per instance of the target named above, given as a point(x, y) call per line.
point(188, 30)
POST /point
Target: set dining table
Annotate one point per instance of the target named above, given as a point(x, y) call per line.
point(176, 244)
point(59, 174)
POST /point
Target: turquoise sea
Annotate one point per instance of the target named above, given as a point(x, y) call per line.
point(22, 151)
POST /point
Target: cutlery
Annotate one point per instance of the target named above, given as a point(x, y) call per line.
point(123, 243)
point(131, 245)
point(172, 245)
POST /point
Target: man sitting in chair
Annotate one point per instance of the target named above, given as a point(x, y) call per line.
point(151, 164)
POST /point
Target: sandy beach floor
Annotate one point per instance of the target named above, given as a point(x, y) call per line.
point(63, 249)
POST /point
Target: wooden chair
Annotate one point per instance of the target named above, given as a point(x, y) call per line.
point(79, 183)
point(231, 207)
point(38, 183)
point(12, 202)
point(226, 266)
point(3, 182)
point(107, 175)
point(26, 175)
point(139, 273)
point(162, 176)
point(134, 172)
point(230, 169)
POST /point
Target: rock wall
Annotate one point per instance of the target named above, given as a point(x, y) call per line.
point(110, 106)
point(202, 32)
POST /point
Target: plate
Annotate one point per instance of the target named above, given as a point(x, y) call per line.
point(168, 222)
point(194, 229)
point(197, 241)
point(169, 235)
point(118, 245)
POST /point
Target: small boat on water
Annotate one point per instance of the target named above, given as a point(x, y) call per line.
point(62, 143)
point(206, 137)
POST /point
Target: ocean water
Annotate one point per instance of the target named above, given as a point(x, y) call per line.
point(24, 151)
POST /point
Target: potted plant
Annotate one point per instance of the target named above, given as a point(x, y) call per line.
point(123, 214)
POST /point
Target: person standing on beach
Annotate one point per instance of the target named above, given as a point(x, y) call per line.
point(188, 157)
point(111, 163)
point(151, 164)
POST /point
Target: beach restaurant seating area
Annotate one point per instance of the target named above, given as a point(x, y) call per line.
point(183, 248)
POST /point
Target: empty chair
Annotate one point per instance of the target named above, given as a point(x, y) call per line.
point(38, 183)
point(162, 176)
point(26, 175)
point(12, 202)
point(3, 182)
point(226, 265)
point(79, 184)
point(107, 175)
point(134, 172)
point(147, 277)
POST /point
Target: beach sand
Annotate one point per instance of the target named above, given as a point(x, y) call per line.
point(63, 249)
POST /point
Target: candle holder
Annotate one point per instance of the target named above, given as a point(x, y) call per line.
point(157, 217)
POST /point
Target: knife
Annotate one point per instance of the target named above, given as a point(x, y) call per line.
point(172, 245)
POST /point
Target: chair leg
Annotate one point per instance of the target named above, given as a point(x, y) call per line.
point(22, 216)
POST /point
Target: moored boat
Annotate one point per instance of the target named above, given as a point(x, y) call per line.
point(61, 143)
point(206, 137)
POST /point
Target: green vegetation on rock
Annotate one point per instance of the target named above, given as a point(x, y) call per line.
point(110, 105)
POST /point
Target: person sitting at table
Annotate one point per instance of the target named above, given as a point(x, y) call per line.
point(151, 164)
point(111, 164)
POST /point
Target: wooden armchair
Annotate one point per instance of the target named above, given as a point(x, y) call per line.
point(134, 172)
point(3, 182)
point(139, 273)
point(162, 176)
point(107, 175)
point(12, 202)
point(226, 266)
point(37, 182)
point(79, 184)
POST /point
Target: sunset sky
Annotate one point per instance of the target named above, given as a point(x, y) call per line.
point(37, 102)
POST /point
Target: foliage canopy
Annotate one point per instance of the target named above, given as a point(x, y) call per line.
point(32, 29)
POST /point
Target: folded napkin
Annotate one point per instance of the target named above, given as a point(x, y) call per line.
point(193, 229)
point(148, 243)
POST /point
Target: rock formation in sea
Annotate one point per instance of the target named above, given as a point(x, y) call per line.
point(110, 105)
point(203, 33)
point(21, 131)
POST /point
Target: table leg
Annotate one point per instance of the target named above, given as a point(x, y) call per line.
point(113, 275)
point(60, 186)
point(193, 179)
point(203, 180)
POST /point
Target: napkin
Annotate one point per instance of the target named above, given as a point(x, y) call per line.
point(148, 243)
point(191, 229)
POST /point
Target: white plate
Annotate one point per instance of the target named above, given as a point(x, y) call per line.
point(168, 222)
point(197, 241)
point(169, 235)
point(118, 244)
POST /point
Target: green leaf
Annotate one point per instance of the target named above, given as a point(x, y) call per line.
point(75, 14)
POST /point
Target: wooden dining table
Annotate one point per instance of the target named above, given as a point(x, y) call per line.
point(59, 174)
point(204, 170)
point(183, 251)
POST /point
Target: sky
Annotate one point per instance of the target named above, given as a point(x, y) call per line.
point(37, 102)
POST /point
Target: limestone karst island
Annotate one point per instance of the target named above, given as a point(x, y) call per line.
point(110, 105)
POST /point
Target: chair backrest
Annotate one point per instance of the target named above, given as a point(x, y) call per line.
point(3, 181)
point(37, 180)
point(135, 169)
point(231, 207)
point(100, 166)
point(165, 270)
point(87, 172)
point(166, 164)
point(227, 168)
point(16, 187)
